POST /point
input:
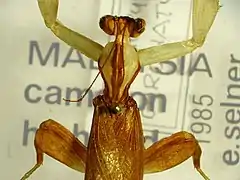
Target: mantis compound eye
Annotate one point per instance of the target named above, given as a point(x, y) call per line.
point(113, 25)
point(138, 27)
point(107, 24)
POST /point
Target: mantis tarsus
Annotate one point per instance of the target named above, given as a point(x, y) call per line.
point(116, 145)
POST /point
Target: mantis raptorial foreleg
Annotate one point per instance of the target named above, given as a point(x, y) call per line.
point(59, 143)
point(172, 151)
point(203, 15)
point(88, 47)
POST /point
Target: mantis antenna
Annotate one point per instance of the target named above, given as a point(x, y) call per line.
point(90, 86)
point(85, 92)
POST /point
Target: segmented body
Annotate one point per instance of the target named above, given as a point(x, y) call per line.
point(115, 149)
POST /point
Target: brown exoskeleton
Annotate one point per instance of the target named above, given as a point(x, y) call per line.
point(115, 149)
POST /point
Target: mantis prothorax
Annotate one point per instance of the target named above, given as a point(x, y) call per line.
point(115, 150)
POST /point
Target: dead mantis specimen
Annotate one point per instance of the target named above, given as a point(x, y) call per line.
point(115, 149)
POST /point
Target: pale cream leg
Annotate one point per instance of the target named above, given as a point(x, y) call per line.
point(203, 15)
point(88, 47)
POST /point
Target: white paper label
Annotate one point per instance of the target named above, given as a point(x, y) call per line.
point(199, 93)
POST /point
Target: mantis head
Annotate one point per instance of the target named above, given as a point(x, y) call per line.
point(123, 25)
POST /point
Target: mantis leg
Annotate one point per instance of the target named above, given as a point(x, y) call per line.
point(85, 45)
point(203, 15)
point(171, 151)
point(59, 143)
